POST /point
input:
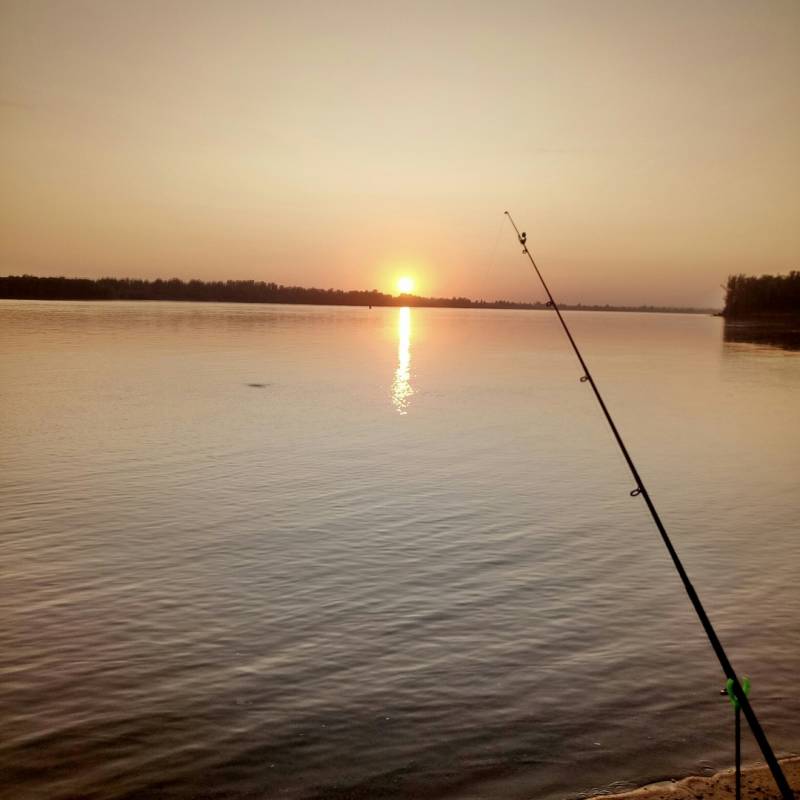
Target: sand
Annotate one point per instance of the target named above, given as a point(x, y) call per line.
point(757, 784)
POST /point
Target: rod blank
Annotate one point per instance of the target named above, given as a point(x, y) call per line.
point(641, 490)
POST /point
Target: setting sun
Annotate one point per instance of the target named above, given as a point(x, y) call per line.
point(405, 285)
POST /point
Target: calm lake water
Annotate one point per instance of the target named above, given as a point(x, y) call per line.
point(308, 552)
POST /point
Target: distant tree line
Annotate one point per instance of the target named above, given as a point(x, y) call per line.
point(747, 296)
point(30, 287)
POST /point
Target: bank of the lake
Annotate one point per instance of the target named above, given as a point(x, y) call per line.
point(757, 782)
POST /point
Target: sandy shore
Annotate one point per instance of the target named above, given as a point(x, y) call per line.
point(757, 784)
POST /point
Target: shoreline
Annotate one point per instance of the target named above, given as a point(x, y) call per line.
point(756, 782)
point(32, 287)
point(477, 306)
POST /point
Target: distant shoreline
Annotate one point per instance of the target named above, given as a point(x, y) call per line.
point(30, 287)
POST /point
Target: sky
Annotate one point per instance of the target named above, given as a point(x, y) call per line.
point(649, 149)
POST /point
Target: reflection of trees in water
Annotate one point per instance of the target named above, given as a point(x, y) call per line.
point(785, 335)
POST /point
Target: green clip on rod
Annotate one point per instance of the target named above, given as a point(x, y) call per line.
point(641, 489)
point(737, 730)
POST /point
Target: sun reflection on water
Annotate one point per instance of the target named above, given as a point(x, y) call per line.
point(401, 386)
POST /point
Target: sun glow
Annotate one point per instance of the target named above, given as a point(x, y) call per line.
point(405, 284)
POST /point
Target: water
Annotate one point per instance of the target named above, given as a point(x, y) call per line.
point(270, 551)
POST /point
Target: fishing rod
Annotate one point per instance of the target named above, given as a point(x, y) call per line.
point(641, 490)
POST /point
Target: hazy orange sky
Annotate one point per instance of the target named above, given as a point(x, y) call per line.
point(648, 148)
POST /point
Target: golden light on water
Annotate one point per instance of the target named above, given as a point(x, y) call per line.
point(405, 284)
point(401, 385)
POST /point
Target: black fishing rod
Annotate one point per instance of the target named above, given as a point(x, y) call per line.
point(641, 490)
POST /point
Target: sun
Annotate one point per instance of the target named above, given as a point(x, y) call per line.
point(405, 284)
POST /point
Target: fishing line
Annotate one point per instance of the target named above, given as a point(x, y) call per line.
point(641, 490)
